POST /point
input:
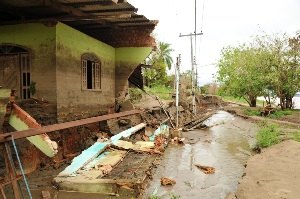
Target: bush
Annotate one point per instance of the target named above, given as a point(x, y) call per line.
point(135, 94)
point(161, 91)
point(280, 113)
point(268, 136)
point(251, 112)
point(296, 136)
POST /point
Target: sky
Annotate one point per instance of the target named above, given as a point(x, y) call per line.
point(223, 22)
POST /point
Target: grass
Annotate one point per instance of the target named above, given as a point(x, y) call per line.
point(161, 91)
point(240, 100)
point(153, 197)
point(296, 136)
point(268, 135)
point(280, 113)
point(135, 94)
point(171, 195)
point(251, 112)
point(234, 99)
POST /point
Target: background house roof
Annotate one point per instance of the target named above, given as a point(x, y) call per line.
point(112, 21)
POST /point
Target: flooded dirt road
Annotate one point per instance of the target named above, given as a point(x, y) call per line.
point(225, 146)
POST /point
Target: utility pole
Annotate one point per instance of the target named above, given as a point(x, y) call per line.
point(193, 59)
point(193, 62)
point(177, 79)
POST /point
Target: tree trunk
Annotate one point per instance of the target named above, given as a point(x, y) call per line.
point(282, 103)
point(289, 102)
point(251, 101)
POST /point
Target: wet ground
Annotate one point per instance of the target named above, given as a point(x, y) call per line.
point(225, 146)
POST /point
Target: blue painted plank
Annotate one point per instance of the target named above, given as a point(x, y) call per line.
point(92, 152)
point(162, 129)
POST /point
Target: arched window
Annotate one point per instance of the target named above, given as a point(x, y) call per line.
point(91, 72)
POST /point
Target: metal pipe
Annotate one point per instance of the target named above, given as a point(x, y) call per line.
point(21, 168)
point(56, 127)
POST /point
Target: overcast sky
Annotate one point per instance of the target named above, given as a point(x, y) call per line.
point(225, 22)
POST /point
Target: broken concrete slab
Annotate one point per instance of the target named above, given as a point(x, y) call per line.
point(129, 170)
point(42, 142)
point(138, 146)
point(91, 153)
point(124, 169)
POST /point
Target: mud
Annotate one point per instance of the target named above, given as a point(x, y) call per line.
point(272, 174)
point(225, 146)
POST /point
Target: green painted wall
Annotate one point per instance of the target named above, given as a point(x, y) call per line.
point(127, 59)
point(134, 55)
point(56, 51)
point(72, 100)
point(40, 40)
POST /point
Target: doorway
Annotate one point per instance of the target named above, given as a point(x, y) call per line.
point(15, 70)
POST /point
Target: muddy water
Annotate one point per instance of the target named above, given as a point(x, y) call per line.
point(225, 146)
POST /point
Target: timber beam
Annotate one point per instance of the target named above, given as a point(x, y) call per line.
point(87, 3)
point(56, 127)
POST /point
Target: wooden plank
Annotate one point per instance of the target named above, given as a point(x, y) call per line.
point(85, 3)
point(56, 127)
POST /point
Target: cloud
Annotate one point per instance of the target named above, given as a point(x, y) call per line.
point(225, 23)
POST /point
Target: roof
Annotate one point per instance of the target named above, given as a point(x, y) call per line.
point(111, 21)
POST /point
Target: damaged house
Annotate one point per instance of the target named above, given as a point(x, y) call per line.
point(77, 55)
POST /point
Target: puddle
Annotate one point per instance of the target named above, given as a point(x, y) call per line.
point(225, 146)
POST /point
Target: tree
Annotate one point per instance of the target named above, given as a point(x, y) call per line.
point(282, 66)
point(268, 66)
point(160, 60)
point(239, 73)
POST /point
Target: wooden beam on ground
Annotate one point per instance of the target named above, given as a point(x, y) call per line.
point(56, 127)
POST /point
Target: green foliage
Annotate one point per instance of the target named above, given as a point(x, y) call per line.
point(204, 89)
point(161, 91)
point(135, 94)
point(234, 99)
point(154, 197)
point(251, 112)
point(160, 61)
point(239, 73)
point(173, 196)
point(280, 113)
point(268, 136)
point(268, 66)
point(296, 136)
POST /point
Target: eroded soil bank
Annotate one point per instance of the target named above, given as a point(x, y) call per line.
point(272, 174)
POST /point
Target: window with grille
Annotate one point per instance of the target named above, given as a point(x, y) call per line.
point(91, 72)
